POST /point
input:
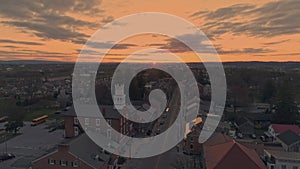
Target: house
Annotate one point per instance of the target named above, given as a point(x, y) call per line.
point(81, 153)
point(257, 146)
point(111, 115)
point(244, 126)
point(259, 108)
point(277, 159)
point(72, 126)
point(290, 141)
point(116, 162)
point(261, 119)
point(220, 138)
point(276, 129)
point(231, 155)
point(92, 121)
point(224, 127)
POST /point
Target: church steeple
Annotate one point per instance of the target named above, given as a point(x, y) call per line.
point(119, 96)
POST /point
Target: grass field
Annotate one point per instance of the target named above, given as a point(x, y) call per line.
point(9, 107)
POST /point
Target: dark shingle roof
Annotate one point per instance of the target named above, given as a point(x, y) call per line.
point(289, 137)
point(69, 112)
point(84, 148)
point(108, 111)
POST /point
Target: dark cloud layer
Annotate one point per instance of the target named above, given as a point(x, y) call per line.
point(20, 42)
point(194, 42)
point(269, 20)
point(48, 19)
point(277, 42)
point(245, 51)
point(108, 45)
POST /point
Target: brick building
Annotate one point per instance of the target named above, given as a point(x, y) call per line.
point(80, 153)
point(191, 143)
point(111, 115)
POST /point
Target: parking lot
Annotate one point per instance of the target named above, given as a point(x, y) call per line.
point(31, 144)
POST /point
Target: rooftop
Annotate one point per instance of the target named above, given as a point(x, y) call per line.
point(283, 154)
point(231, 155)
point(84, 148)
point(108, 112)
point(289, 137)
point(280, 128)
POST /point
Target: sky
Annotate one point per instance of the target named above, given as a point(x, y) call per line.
point(244, 30)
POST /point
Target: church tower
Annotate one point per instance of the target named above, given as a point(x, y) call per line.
point(119, 96)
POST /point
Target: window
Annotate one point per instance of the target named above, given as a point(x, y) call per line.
point(295, 167)
point(76, 131)
point(75, 164)
point(51, 161)
point(109, 122)
point(98, 122)
point(76, 121)
point(283, 166)
point(191, 146)
point(192, 138)
point(63, 163)
point(109, 133)
point(86, 121)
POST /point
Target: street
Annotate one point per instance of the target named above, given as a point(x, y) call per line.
point(167, 159)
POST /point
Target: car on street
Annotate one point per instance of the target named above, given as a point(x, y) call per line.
point(253, 136)
point(6, 156)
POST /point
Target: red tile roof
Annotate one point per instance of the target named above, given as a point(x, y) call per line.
point(281, 128)
point(231, 155)
point(217, 138)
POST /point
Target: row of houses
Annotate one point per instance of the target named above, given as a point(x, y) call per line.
point(282, 151)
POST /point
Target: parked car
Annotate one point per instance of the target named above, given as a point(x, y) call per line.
point(240, 135)
point(148, 132)
point(52, 129)
point(253, 136)
point(7, 156)
point(263, 138)
point(57, 112)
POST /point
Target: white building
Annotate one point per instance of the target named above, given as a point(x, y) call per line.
point(278, 159)
point(119, 96)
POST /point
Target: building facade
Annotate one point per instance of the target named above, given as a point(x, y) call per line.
point(277, 159)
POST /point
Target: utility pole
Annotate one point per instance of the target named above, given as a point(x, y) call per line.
point(5, 144)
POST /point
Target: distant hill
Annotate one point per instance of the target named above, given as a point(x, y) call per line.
point(230, 64)
point(27, 62)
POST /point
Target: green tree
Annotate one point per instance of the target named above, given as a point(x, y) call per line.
point(14, 126)
point(269, 91)
point(286, 107)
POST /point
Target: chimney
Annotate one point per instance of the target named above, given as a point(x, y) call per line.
point(63, 147)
